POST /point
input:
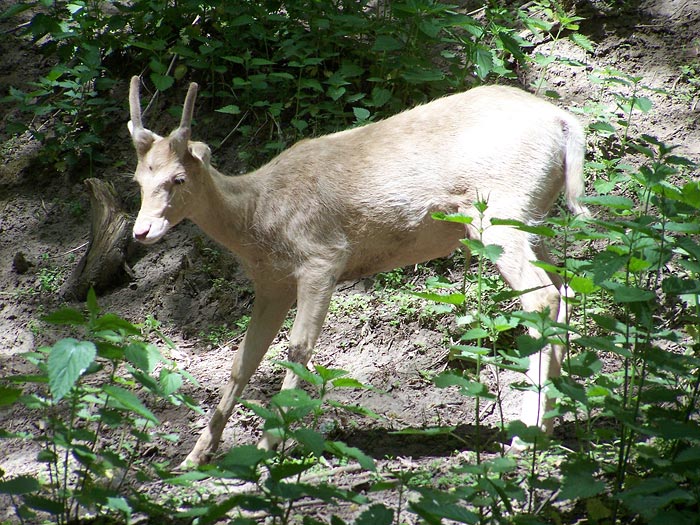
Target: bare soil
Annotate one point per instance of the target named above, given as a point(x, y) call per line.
point(193, 288)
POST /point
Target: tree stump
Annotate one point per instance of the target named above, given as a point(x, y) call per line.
point(104, 264)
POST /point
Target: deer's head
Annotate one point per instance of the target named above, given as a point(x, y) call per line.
point(167, 169)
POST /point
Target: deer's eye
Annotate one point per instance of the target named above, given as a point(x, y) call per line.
point(180, 179)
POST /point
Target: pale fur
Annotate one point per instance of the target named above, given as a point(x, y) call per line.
point(360, 201)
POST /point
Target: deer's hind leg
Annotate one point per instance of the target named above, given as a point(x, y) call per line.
point(515, 265)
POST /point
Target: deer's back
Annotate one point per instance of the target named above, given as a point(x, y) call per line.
point(370, 191)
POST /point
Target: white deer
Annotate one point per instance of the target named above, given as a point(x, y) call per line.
point(360, 201)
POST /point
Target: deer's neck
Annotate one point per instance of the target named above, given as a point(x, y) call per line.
point(226, 210)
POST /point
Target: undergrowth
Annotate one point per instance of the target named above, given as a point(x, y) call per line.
point(277, 70)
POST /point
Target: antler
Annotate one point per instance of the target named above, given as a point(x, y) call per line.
point(135, 103)
point(188, 107)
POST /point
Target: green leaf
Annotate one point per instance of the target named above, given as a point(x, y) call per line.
point(507, 295)
point(311, 440)
point(452, 298)
point(571, 388)
point(605, 264)
point(354, 409)
point(281, 471)
point(614, 202)
point(68, 359)
point(311, 83)
point(261, 411)
point(603, 127)
point(231, 109)
point(387, 43)
point(329, 374)
point(341, 450)
point(16, 9)
point(143, 356)
point(630, 294)
point(19, 485)
point(673, 430)
point(474, 333)
point(643, 104)
point(244, 456)
point(483, 60)
point(471, 352)
point(435, 505)
point(115, 323)
point(579, 479)
point(467, 386)
point(453, 217)
point(380, 96)
point(66, 316)
point(170, 382)
point(527, 434)
point(124, 399)
point(293, 398)
point(582, 41)
point(348, 382)
point(677, 285)
point(677, 160)
point(302, 372)
point(582, 285)
point(361, 114)
point(45, 504)
point(544, 231)
point(419, 76)
point(513, 46)
point(651, 495)
point(9, 395)
point(603, 343)
point(91, 303)
point(119, 504)
point(492, 252)
point(335, 92)
point(377, 514)
point(691, 194)
point(528, 345)
point(585, 364)
point(162, 82)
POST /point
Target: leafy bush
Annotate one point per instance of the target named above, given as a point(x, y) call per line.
point(283, 69)
point(636, 423)
point(96, 427)
point(87, 393)
point(279, 484)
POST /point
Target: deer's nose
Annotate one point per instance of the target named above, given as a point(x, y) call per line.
point(141, 231)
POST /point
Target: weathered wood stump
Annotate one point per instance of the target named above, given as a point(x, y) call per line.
point(104, 264)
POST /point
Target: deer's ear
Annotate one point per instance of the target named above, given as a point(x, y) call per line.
point(143, 138)
point(201, 152)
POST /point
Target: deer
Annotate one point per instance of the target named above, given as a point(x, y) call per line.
point(361, 201)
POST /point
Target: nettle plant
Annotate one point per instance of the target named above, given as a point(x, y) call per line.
point(292, 484)
point(648, 274)
point(94, 429)
point(281, 70)
point(97, 436)
point(629, 392)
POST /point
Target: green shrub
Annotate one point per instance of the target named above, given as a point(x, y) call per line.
point(88, 394)
point(283, 69)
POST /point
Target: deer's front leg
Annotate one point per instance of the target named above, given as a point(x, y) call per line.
point(269, 310)
point(315, 287)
